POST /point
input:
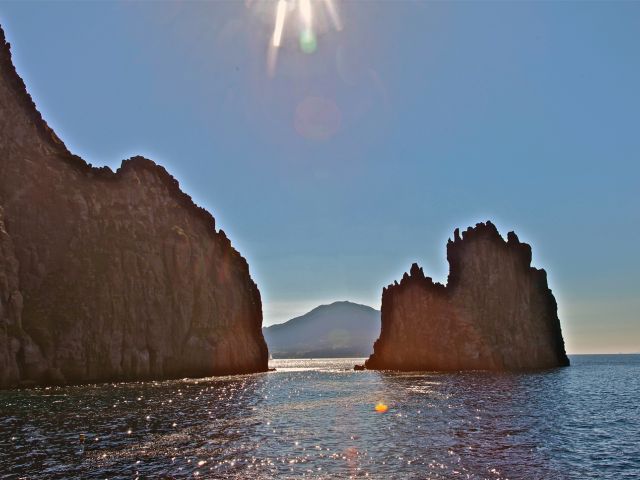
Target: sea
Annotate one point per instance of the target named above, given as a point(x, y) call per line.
point(318, 418)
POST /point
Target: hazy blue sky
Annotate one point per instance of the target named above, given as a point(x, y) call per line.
point(350, 163)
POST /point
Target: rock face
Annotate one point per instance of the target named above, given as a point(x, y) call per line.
point(110, 276)
point(496, 312)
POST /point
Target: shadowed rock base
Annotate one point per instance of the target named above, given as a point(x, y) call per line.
point(496, 312)
point(110, 276)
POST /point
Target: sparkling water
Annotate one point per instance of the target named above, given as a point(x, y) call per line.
point(318, 419)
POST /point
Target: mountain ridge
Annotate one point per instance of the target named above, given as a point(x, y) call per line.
point(341, 328)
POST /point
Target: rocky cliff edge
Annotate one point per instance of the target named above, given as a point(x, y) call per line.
point(110, 275)
point(496, 312)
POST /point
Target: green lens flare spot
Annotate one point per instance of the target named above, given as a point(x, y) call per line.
point(308, 41)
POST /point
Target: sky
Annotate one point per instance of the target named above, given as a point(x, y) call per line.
point(332, 171)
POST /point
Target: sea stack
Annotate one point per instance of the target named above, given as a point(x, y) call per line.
point(496, 312)
point(110, 276)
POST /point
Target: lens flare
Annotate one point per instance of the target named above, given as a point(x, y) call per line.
point(315, 17)
point(308, 42)
point(381, 407)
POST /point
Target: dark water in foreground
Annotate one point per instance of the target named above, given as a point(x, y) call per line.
point(316, 418)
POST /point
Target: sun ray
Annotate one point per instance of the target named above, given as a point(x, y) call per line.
point(306, 13)
point(311, 23)
point(333, 13)
point(281, 15)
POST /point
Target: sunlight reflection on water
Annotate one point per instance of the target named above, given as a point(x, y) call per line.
point(316, 419)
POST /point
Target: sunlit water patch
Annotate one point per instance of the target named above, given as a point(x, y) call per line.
point(321, 419)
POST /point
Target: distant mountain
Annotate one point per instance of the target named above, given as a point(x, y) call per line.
point(342, 329)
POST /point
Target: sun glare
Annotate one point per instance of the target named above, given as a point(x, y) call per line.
point(313, 17)
point(281, 15)
point(306, 13)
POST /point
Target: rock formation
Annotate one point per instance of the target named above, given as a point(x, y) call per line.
point(496, 312)
point(110, 276)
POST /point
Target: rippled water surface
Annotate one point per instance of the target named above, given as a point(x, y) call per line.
point(316, 419)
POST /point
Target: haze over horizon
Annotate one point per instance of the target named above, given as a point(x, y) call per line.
point(349, 164)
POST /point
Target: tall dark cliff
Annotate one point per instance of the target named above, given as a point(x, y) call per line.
point(496, 312)
point(108, 276)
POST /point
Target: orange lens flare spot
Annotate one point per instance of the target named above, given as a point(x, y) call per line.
point(381, 407)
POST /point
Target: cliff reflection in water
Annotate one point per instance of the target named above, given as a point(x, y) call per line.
point(317, 419)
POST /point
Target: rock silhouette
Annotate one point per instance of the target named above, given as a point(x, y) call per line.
point(110, 276)
point(496, 312)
